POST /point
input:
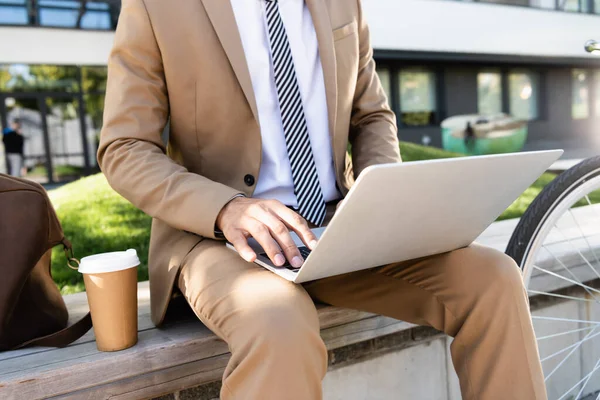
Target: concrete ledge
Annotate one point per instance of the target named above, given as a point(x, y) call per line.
point(184, 354)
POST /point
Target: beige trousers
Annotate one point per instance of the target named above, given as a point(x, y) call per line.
point(475, 295)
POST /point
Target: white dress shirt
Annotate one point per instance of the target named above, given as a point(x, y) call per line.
point(275, 177)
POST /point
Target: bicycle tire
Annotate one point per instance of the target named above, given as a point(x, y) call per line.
point(543, 205)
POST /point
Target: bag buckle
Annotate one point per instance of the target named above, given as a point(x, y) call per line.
point(72, 262)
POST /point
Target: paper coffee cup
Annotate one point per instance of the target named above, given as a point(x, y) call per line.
point(111, 285)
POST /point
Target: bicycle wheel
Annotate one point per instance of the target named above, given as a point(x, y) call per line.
point(557, 244)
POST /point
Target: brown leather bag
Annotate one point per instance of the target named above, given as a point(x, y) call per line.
point(32, 310)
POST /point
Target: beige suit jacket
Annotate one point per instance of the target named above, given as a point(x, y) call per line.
point(184, 61)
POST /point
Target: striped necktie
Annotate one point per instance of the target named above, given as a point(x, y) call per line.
point(311, 204)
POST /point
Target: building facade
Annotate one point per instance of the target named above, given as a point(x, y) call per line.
point(436, 59)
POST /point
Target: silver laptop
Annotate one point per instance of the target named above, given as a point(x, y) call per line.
point(398, 212)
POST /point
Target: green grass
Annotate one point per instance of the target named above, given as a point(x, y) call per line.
point(415, 152)
point(96, 219)
point(60, 171)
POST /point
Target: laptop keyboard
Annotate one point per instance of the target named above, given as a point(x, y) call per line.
point(304, 252)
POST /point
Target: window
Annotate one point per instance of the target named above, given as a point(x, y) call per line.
point(13, 12)
point(61, 103)
point(79, 14)
point(574, 5)
point(418, 102)
point(489, 93)
point(385, 78)
point(523, 87)
point(508, 2)
point(94, 108)
point(21, 77)
point(580, 100)
point(545, 4)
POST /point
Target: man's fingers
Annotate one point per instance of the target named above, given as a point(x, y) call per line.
point(239, 241)
point(298, 225)
point(262, 234)
point(281, 233)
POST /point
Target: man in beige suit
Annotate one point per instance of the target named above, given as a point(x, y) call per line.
point(263, 98)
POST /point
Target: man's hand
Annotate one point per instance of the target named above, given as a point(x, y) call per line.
point(269, 222)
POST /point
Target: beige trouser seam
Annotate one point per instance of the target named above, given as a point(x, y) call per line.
point(437, 299)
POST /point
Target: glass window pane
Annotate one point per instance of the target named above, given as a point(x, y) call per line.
point(584, 6)
point(597, 6)
point(523, 95)
point(545, 4)
point(417, 97)
point(509, 2)
point(66, 143)
point(580, 102)
point(95, 20)
point(13, 15)
point(94, 5)
point(99, 14)
point(94, 108)
point(60, 3)
point(570, 5)
point(384, 78)
point(489, 93)
point(62, 18)
point(22, 77)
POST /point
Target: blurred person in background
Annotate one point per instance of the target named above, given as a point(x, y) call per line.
point(13, 147)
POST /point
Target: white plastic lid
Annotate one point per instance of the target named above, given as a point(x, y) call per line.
point(109, 262)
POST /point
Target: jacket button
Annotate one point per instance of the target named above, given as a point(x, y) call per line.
point(249, 180)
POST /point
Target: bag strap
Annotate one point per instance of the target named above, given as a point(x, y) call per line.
point(63, 337)
point(68, 335)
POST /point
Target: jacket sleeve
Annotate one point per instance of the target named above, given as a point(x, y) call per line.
point(373, 132)
point(131, 153)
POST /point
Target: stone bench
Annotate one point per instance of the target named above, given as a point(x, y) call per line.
point(184, 354)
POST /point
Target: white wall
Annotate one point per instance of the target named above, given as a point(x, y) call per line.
point(452, 26)
point(416, 25)
point(54, 46)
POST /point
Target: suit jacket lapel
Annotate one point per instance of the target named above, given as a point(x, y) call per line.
point(322, 23)
point(222, 18)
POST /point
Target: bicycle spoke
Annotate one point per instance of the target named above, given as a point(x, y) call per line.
point(565, 333)
point(573, 349)
point(587, 380)
point(578, 252)
point(586, 287)
point(565, 320)
point(587, 198)
point(585, 238)
point(578, 383)
point(562, 296)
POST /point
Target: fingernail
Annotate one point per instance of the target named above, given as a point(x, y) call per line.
point(297, 262)
point(249, 257)
point(313, 244)
point(279, 259)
